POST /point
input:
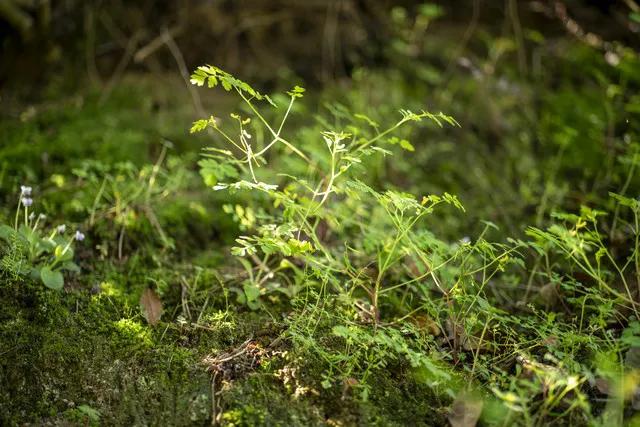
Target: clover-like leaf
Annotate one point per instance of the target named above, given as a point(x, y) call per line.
point(51, 278)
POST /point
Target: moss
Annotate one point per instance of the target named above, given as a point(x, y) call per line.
point(62, 351)
point(267, 397)
point(261, 400)
point(132, 331)
point(84, 415)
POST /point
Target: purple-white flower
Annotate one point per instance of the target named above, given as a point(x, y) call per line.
point(27, 201)
point(25, 190)
point(61, 228)
point(79, 236)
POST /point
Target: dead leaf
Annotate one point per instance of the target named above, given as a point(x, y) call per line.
point(603, 386)
point(465, 411)
point(151, 306)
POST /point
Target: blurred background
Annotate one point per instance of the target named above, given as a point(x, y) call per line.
point(319, 40)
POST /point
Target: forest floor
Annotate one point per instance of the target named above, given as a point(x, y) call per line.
point(531, 321)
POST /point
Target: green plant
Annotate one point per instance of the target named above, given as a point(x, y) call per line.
point(30, 251)
point(364, 264)
point(318, 195)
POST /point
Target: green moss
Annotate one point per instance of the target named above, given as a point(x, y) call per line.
point(132, 331)
point(62, 351)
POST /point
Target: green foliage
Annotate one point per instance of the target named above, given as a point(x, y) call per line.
point(366, 253)
point(214, 75)
point(325, 273)
point(30, 251)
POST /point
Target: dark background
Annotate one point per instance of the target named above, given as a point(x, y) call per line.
point(317, 40)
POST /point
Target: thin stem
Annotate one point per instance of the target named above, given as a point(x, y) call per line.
point(331, 179)
point(228, 138)
point(276, 135)
point(18, 213)
point(382, 134)
point(286, 114)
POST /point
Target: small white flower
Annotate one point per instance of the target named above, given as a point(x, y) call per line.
point(465, 240)
point(32, 216)
point(42, 217)
point(27, 201)
point(25, 190)
point(79, 236)
point(61, 228)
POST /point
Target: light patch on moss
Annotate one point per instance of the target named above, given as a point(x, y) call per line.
point(109, 289)
point(134, 331)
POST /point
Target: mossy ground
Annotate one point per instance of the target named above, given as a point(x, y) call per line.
point(89, 349)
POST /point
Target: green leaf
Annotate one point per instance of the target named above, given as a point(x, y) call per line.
point(296, 92)
point(625, 201)
point(367, 119)
point(51, 279)
point(213, 171)
point(406, 145)
point(89, 412)
point(251, 291)
point(6, 232)
point(214, 75)
point(70, 266)
point(212, 82)
point(199, 125)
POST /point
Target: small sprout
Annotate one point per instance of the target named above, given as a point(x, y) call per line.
point(25, 190)
point(296, 92)
point(79, 237)
point(61, 228)
point(27, 201)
